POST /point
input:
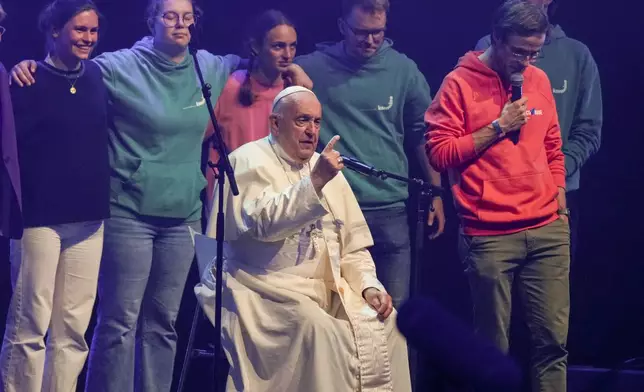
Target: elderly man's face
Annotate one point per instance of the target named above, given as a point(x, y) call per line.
point(296, 126)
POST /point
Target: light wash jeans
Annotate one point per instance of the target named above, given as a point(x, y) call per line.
point(143, 273)
point(54, 271)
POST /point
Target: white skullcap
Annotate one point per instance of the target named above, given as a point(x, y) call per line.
point(289, 91)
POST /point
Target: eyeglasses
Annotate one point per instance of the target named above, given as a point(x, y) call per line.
point(171, 19)
point(525, 55)
point(2, 31)
point(363, 34)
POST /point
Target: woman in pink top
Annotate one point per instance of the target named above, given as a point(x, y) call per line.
point(244, 105)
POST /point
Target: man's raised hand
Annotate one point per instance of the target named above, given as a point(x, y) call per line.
point(327, 166)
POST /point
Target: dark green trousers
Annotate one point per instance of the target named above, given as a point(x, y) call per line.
point(536, 262)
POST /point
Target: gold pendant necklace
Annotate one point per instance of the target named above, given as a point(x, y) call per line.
point(72, 89)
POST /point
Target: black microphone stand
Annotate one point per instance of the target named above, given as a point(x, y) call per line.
point(423, 190)
point(225, 170)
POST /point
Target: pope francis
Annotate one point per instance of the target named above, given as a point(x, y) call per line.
point(302, 307)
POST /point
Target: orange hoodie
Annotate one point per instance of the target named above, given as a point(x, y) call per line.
point(508, 188)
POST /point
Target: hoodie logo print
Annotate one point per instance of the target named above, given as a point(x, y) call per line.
point(197, 104)
point(562, 90)
point(389, 105)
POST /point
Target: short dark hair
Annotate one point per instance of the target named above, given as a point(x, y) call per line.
point(366, 5)
point(519, 17)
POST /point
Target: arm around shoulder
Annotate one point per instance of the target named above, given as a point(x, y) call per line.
point(226, 64)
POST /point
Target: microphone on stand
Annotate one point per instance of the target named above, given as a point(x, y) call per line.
point(516, 80)
point(356, 165)
point(368, 170)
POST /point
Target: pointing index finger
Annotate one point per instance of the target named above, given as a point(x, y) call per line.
point(331, 144)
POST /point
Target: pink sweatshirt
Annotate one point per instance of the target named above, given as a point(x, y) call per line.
point(241, 124)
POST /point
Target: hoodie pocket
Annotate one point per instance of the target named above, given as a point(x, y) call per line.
point(163, 189)
point(516, 198)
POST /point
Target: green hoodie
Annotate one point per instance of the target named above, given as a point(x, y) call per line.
point(575, 84)
point(377, 107)
point(158, 118)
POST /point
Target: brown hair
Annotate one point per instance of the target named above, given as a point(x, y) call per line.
point(256, 35)
point(366, 5)
point(56, 15)
point(519, 17)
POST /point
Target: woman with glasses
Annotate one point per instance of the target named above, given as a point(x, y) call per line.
point(158, 119)
point(61, 127)
point(245, 103)
point(10, 199)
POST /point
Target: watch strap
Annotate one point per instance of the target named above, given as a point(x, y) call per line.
point(564, 211)
point(497, 128)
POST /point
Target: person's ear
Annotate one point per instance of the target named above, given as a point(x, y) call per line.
point(273, 121)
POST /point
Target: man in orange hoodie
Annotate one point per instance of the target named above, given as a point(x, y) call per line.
point(507, 176)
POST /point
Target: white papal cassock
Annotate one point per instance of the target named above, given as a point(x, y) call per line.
point(293, 316)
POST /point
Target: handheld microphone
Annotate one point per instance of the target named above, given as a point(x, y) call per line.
point(356, 165)
point(454, 349)
point(516, 80)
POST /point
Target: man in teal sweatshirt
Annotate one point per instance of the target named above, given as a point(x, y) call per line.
point(375, 98)
point(576, 86)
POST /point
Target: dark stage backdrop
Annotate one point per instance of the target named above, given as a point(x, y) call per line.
point(608, 277)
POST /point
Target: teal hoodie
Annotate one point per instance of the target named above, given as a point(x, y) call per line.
point(575, 84)
point(377, 107)
point(158, 118)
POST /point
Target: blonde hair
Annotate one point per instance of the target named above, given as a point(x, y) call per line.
point(3, 14)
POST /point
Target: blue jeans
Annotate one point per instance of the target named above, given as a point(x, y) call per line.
point(143, 273)
point(391, 251)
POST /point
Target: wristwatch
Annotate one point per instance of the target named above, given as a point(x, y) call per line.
point(564, 211)
point(497, 128)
